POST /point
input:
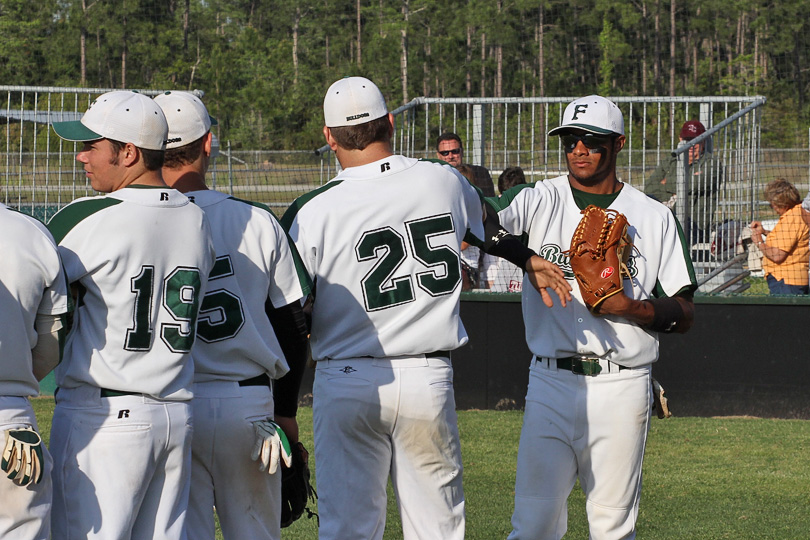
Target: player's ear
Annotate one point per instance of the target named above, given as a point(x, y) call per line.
point(618, 144)
point(209, 141)
point(327, 133)
point(391, 124)
point(129, 154)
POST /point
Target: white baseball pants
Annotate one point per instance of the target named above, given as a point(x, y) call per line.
point(387, 416)
point(122, 466)
point(25, 512)
point(593, 428)
point(248, 501)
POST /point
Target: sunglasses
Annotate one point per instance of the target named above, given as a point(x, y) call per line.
point(590, 141)
point(454, 151)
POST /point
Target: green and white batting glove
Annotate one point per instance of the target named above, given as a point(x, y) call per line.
point(270, 446)
point(22, 456)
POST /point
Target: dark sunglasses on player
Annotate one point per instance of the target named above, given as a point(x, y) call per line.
point(590, 141)
point(454, 151)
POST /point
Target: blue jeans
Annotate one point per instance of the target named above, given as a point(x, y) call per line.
point(778, 286)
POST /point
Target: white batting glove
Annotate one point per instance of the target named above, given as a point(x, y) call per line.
point(271, 446)
point(22, 456)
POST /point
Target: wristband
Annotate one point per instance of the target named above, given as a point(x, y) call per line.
point(668, 312)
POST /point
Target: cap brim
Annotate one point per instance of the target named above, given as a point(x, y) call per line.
point(582, 127)
point(75, 131)
point(213, 120)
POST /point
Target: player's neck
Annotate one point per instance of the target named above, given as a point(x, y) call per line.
point(604, 186)
point(184, 179)
point(371, 153)
point(145, 178)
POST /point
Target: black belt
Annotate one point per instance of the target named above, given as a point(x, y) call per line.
point(437, 354)
point(583, 366)
point(259, 380)
point(106, 392)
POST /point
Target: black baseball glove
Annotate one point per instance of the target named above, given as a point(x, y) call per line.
point(296, 490)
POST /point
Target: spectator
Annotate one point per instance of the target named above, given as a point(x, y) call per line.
point(785, 255)
point(510, 177)
point(450, 149)
point(703, 182)
point(499, 275)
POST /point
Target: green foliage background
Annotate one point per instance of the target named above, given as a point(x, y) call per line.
point(265, 64)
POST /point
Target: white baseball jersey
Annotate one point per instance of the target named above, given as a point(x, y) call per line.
point(31, 282)
point(140, 257)
point(659, 266)
point(254, 263)
point(384, 257)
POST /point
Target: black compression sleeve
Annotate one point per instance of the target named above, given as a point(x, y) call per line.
point(668, 313)
point(290, 327)
point(498, 242)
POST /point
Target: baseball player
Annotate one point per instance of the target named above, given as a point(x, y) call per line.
point(381, 242)
point(139, 258)
point(589, 397)
point(251, 331)
point(33, 303)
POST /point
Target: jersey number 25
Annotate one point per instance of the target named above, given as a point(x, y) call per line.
point(385, 245)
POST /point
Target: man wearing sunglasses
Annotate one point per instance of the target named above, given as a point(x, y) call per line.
point(450, 149)
point(588, 404)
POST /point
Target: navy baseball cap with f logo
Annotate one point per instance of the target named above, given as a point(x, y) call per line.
point(593, 114)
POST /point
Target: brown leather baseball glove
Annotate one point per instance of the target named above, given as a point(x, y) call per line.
point(598, 255)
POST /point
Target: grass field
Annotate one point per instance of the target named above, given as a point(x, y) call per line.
point(704, 478)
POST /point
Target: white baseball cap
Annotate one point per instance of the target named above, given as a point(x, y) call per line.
point(352, 101)
point(123, 116)
point(593, 114)
point(187, 117)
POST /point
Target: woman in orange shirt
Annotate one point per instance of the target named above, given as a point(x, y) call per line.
point(786, 252)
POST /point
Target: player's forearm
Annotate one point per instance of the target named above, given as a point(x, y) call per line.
point(667, 315)
point(47, 353)
point(498, 241)
point(290, 327)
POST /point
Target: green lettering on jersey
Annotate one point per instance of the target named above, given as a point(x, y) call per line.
point(380, 291)
point(181, 296)
point(443, 257)
point(139, 336)
point(221, 314)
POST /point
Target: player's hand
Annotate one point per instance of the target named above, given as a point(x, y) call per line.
point(22, 456)
point(270, 446)
point(544, 275)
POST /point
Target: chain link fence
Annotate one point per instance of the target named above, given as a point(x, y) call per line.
point(714, 196)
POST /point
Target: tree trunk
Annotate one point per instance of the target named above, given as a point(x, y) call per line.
point(296, 25)
point(483, 63)
point(186, 15)
point(672, 48)
point(468, 63)
point(657, 63)
point(359, 42)
point(643, 48)
point(124, 55)
point(83, 45)
point(403, 42)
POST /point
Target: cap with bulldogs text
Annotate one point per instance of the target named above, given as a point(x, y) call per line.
point(593, 114)
point(121, 115)
point(691, 129)
point(187, 117)
point(352, 101)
